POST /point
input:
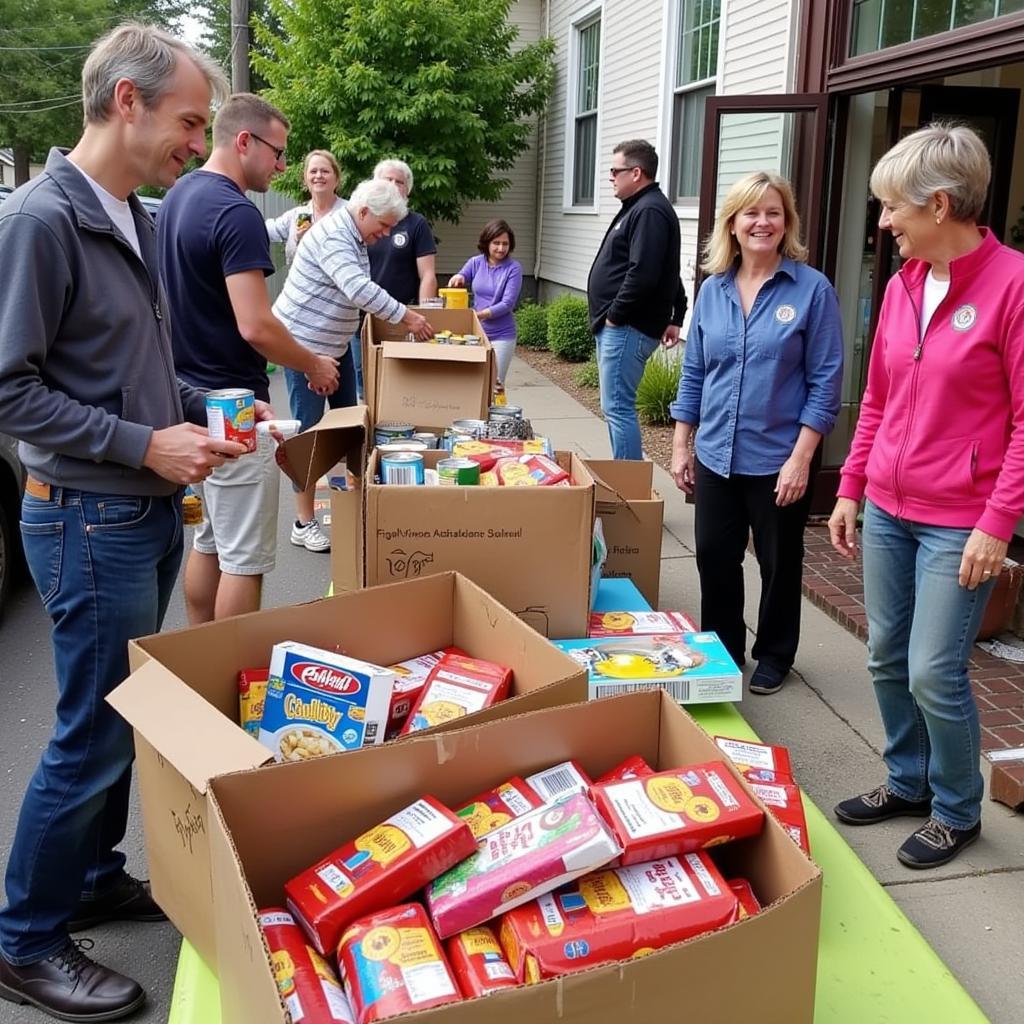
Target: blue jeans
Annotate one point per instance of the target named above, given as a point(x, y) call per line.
point(622, 354)
point(105, 566)
point(307, 406)
point(356, 348)
point(921, 626)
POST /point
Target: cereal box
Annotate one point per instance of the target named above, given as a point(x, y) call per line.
point(498, 806)
point(757, 760)
point(634, 767)
point(391, 962)
point(529, 471)
point(749, 903)
point(478, 963)
point(307, 983)
point(410, 678)
point(558, 781)
point(252, 692)
point(693, 668)
point(676, 812)
point(319, 702)
point(639, 623)
point(380, 868)
point(456, 686)
point(617, 914)
point(527, 857)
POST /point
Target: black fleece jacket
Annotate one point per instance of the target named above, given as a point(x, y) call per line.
point(635, 276)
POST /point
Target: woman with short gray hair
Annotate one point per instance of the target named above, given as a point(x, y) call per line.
point(939, 457)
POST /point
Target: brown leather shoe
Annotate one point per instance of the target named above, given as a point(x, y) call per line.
point(129, 900)
point(70, 986)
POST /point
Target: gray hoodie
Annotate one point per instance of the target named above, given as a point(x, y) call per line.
point(86, 372)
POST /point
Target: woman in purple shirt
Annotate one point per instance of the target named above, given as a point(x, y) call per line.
point(495, 279)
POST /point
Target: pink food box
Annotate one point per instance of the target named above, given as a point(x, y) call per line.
point(519, 862)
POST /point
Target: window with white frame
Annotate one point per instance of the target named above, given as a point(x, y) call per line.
point(695, 72)
point(588, 67)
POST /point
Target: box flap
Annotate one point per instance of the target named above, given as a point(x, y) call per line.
point(181, 725)
point(341, 434)
point(435, 353)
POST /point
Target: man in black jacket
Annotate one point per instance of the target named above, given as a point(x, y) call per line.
point(634, 292)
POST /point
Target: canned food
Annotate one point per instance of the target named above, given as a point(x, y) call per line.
point(231, 416)
point(505, 412)
point(402, 468)
point(457, 339)
point(478, 428)
point(428, 438)
point(452, 438)
point(385, 432)
point(471, 339)
point(458, 472)
point(412, 445)
point(191, 508)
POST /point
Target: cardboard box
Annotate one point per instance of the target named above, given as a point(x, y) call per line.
point(762, 968)
point(424, 384)
point(339, 437)
point(632, 514)
point(528, 546)
point(182, 700)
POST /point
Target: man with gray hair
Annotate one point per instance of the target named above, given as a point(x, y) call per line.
point(327, 288)
point(214, 256)
point(87, 383)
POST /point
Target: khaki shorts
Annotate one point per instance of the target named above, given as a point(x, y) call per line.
point(240, 502)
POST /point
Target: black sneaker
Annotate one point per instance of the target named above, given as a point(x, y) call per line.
point(879, 805)
point(935, 843)
point(767, 679)
point(128, 900)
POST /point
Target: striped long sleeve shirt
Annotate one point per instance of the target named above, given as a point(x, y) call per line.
point(327, 286)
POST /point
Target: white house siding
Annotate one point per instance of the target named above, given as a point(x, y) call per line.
point(518, 204)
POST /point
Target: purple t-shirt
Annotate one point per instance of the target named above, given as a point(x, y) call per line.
point(497, 289)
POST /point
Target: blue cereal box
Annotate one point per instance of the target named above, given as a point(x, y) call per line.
point(693, 668)
point(319, 702)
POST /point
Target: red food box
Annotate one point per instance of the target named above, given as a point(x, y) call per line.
point(391, 962)
point(529, 471)
point(498, 806)
point(252, 692)
point(640, 623)
point(478, 963)
point(634, 767)
point(749, 903)
point(559, 781)
point(757, 760)
point(676, 812)
point(307, 983)
point(457, 685)
point(383, 866)
point(617, 914)
point(783, 800)
point(410, 678)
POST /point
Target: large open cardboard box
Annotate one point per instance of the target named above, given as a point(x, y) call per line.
point(632, 514)
point(531, 547)
point(267, 826)
point(182, 701)
point(424, 384)
point(339, 437)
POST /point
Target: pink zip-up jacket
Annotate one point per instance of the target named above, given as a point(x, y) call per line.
point(940, 439)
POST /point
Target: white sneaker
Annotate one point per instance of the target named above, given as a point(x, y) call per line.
point(310, 536)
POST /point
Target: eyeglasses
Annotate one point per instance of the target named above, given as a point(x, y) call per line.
point(616, 171)
point(278, 153)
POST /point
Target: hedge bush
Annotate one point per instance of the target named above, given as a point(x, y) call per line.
point(532, 325)
point(586, 376)
point(658, 386)
point(569, 334)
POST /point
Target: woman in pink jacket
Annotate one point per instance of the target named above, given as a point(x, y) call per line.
point(939, 457)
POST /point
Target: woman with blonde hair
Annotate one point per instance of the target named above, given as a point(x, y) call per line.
point(761, 379)
point(321, 175)
point(939, 457)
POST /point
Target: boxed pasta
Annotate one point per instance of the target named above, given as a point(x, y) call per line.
point(496, 807)
point(634, 767)
point(457, 686)
point(478, 963)
point(410, 678)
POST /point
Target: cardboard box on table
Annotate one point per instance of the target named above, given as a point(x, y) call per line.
point(339, 437)
point(182, 701)
point(632, 514)
point(531, 547)
point(267, 826)
point(425, 384)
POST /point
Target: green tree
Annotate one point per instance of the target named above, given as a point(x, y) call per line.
point(438, 83)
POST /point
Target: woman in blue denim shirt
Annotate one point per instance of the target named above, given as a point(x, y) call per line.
point(761, 378)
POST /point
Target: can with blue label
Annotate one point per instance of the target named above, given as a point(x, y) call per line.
point(402, 468)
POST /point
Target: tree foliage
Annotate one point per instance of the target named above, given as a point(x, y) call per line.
point(440, 84)
point(215, 18)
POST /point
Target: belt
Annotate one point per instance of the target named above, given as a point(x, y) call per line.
point(37, 488)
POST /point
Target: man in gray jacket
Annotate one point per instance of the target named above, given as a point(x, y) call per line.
point(87, 383)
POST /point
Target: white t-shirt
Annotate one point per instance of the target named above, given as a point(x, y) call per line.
point(117, 210)
point(934, 292)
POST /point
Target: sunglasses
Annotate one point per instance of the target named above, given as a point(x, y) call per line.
point(616, 171)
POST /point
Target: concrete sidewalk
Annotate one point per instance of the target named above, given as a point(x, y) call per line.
point(971, 911)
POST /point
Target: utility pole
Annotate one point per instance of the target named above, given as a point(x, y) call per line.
point(240, 45)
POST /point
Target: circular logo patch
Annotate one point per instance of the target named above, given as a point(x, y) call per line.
point(963, 318)
point(785, 314)
point(400, 239)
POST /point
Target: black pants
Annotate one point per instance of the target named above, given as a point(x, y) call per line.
point(727, 510)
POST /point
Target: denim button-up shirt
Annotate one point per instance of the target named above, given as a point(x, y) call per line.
point(751, 382)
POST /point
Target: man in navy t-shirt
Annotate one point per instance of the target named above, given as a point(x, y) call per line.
point(214, 256)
